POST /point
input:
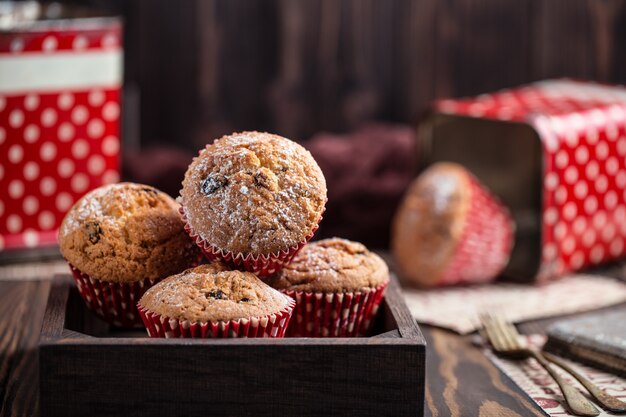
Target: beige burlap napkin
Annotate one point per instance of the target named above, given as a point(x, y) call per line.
point(457, 308)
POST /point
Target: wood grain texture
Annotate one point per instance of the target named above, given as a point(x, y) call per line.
point(12, 313)
point(397, 316)
point(453, 366)
point(480, 387)
point(21, 314)
point(580, 39)
point(295, 67)
point(459, 378)
point(481, 46)
point(191, 381)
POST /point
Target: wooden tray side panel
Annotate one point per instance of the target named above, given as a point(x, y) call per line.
point(305, 380)
point(82, 373)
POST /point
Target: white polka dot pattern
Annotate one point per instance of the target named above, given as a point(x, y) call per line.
point(594, 180)
point(30, 205)
point(80, 43)
point(31, 133)
point(583, 130)
point(54, 147)
point(46, 220)
point(66, 167)
point(40, 178)
point(31, 238)
point(31, 102)
point(63, 202)
point(50, 43)
point(80, 149)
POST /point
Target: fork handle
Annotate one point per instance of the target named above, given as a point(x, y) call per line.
point(607, 401)
point(577, 403)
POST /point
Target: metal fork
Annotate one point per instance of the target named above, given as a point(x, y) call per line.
point(607, 401)
point(504, 338)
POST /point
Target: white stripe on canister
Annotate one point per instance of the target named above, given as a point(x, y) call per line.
point(61, 70)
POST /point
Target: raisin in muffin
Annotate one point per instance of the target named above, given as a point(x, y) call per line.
point(120, 239)
point(213, 301)
point(333, 278)
point(253, 199)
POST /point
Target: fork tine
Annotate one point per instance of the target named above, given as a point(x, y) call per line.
point(506, 341)
point(510, 334)
point(493, 333)
point(514, 334)
point(485, 329)
point(502, 331)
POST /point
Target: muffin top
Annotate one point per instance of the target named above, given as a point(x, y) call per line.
point(332, 265)
point(213, 293)
point(429, 222)
point(253, 193)
point(126, 232)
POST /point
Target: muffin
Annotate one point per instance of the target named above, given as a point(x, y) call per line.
point(119, 240)
point(253, 200)
point(450, 229)
point(213, 301)
point(338, 286)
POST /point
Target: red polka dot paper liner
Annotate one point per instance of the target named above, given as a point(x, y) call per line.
point(273, 325)
point(486, 242)
point(320, 314)
point(114, 302)
point(262, 265)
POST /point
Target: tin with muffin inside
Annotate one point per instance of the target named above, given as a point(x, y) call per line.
point(450, 229)
point(555, 153)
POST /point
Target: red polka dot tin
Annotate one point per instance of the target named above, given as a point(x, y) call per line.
point(555, 153)
point(59, 122)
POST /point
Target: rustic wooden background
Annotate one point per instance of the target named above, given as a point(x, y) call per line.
point(200, 68)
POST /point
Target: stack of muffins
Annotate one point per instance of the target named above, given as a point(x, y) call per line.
point(250, 202)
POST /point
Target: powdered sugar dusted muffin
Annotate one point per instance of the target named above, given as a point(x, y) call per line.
point(213, 301)
point(253, 199)
point(332, 265)
point(450, 229)
point(120, 239)
point(330, 279)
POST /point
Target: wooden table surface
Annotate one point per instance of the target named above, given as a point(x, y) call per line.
point(460, 380)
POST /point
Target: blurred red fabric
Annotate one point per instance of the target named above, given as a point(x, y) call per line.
point(367, 172)
point(163, 167)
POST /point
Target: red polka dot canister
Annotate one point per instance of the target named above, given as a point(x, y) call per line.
point(59, 122)
point(578, 218)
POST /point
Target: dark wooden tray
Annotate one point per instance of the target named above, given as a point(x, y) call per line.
point(87, 368)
